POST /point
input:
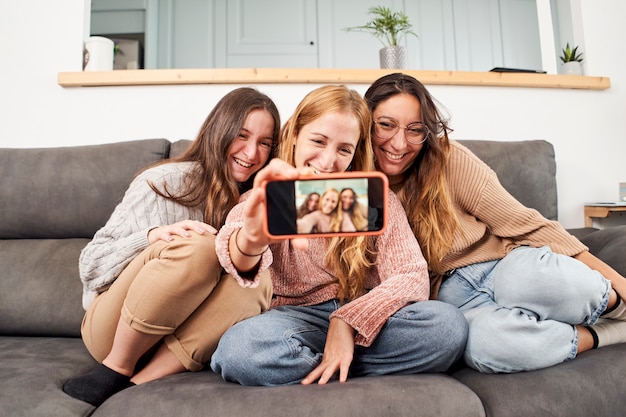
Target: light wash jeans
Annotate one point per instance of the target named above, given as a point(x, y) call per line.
point(282, 345)
point(522, 309)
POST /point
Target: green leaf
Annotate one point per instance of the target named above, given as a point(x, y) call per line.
point(570, 55)
point(388, 26)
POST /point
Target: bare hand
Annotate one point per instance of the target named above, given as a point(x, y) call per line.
point(182, 229)
point(338, 354)
point(255, 209)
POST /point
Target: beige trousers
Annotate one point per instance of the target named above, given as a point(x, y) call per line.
point(176, 289)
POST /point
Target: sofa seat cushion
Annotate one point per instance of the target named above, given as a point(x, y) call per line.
point(206, 394)
point(33, 370)
point(590, 385)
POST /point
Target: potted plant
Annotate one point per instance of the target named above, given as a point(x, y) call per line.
point(572, 59)
point(389, 27)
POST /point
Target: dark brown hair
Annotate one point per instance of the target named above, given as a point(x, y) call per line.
point(211, 185)
point(423, 190)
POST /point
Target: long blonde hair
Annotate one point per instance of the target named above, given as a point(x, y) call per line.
point(348, 257)
point(423, 191)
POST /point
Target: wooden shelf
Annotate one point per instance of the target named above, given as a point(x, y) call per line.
point(322, 76)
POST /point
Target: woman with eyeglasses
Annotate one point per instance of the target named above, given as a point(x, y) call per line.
point(533, 295)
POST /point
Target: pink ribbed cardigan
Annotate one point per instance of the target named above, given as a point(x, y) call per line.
point(399, 277)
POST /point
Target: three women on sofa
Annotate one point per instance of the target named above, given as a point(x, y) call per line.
point(515, 276)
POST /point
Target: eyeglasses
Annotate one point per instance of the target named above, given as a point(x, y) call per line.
point(386, 128)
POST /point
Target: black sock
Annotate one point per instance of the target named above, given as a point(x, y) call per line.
point(618, 311)
point(594, 335)
point(97, 385)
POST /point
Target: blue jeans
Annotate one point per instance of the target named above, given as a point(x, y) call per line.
point(282, 345)
point(522, 310)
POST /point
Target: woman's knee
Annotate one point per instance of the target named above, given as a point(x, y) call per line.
point(448, 322)
point(237, 354)
point(511, 341)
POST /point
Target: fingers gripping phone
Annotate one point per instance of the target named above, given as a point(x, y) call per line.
point(325, 205)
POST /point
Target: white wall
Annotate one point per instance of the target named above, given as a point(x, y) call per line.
point(40, 38)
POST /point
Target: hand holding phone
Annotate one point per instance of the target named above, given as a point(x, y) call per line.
point(325, 205)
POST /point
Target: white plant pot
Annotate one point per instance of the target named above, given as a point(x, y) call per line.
point(393, 57)
point(573, 68)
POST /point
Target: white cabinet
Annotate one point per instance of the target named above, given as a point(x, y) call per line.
point(461, 35)
point(268, 33)
point(186, 34)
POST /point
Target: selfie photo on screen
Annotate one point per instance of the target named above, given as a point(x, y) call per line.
point(325, 206)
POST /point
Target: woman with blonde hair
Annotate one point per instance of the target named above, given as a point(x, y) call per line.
point(353, 306)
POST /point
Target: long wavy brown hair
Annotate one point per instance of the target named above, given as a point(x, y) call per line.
point(348, 257)
point(211, 185)
point(423, 191)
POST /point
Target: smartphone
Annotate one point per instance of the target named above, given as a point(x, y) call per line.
point(339, 204)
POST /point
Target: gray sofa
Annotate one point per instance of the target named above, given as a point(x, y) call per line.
point(53, 200)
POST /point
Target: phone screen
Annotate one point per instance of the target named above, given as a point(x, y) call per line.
point(348, 204)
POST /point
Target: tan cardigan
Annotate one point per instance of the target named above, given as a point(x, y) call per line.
point(492, 221)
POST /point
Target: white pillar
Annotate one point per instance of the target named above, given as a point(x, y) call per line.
point(546, 37)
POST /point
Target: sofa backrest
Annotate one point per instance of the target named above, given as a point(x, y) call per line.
point(68, 192)
point(52, 201)
point(527, 169)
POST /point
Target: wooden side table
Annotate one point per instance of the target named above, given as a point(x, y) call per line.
point(601, 211)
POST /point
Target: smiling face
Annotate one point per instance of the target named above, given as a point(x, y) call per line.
point(252, 147)
point(329, 201)
point(328, 143)
point(313, 202)
point(347, 199)
point(395, 155)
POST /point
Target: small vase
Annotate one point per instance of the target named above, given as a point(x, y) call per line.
point(393, 57)
point(572, 68)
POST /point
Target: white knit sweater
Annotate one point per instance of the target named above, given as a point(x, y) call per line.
point(126, 233)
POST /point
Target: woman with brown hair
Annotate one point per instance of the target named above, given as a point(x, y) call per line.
point(351, 209)
point(532, 293)
point(155, 295)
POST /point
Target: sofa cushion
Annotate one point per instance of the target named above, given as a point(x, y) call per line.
point(40, 287)
point(68, 192)
point(526, 169)
point(179, 147)
point(590, 385)
point(609, 245)
point(33, 370)
point(205, 394)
